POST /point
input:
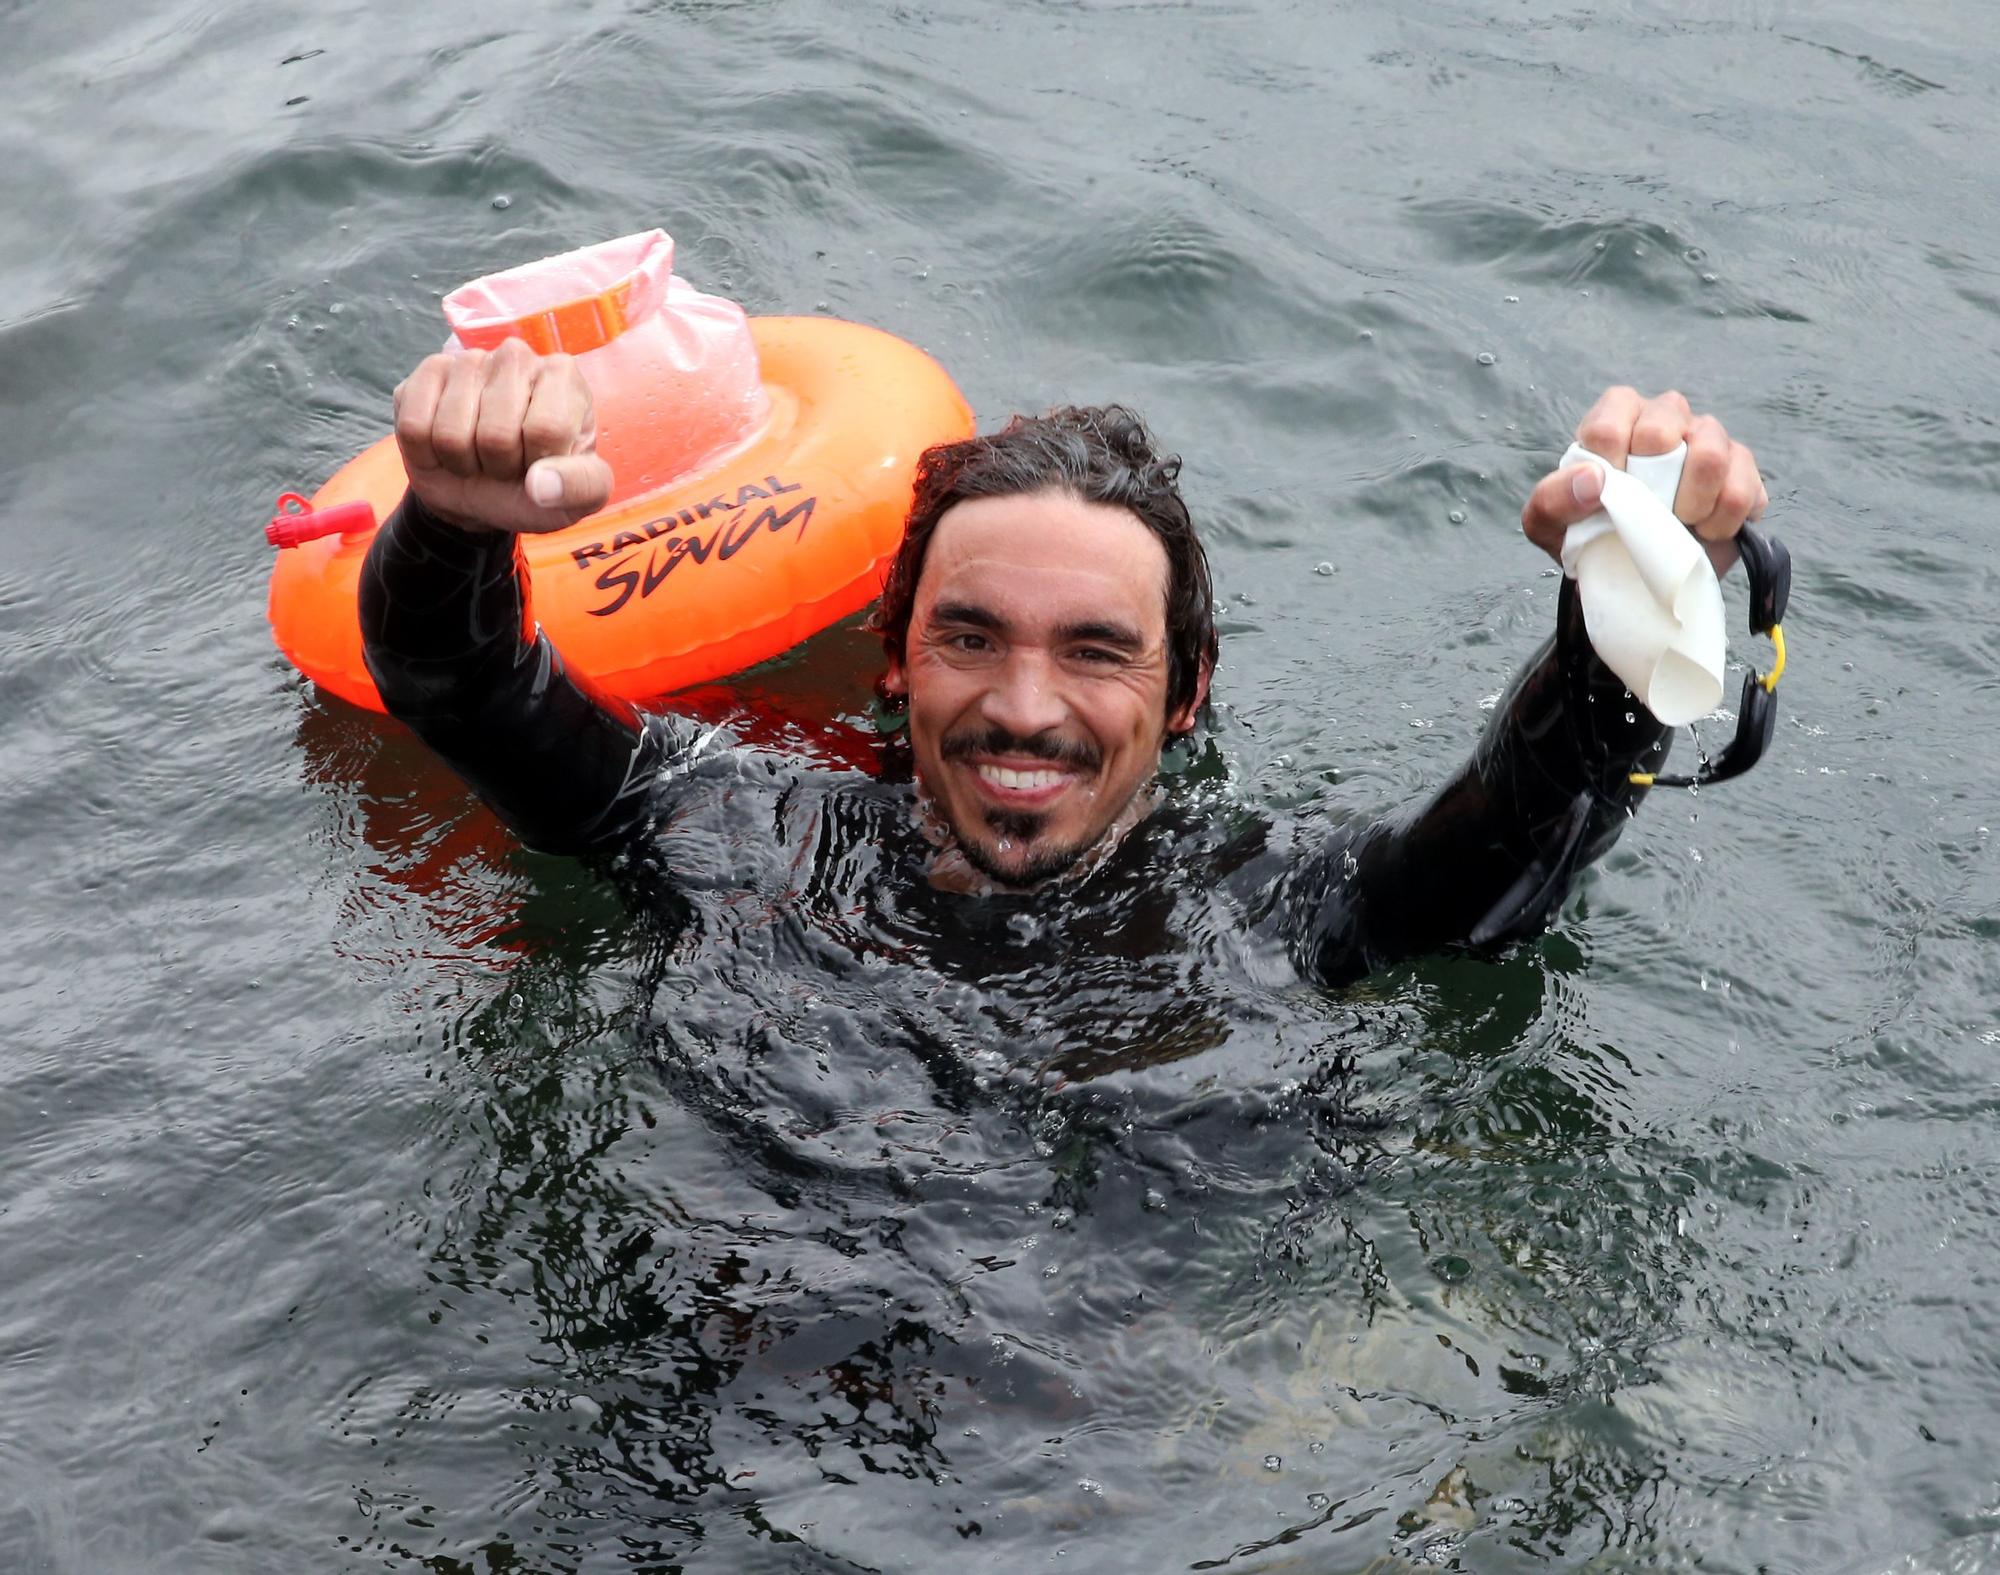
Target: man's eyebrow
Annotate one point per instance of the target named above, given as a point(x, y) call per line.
point(967, 613)
point(1098, 632)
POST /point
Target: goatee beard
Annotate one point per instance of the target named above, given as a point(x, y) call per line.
point(1014, 826)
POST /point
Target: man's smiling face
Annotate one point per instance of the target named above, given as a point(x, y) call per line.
point(1036, 672)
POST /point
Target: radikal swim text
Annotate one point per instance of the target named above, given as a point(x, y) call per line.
point(625, 577)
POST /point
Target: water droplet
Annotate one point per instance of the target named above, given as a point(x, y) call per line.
point(1450, 1268)
point(1155, 1200)
point(1695, 254)
point(1513, 300)
point(1274, 1463)
point(1630, 717)
point(1088, 1486)
point(1457, 516)
point(1366, 333)
point(1318, 1501)
point(1316, 1448)
point(1708, 278)
point(1322, 568)
point(502, 202)
point(1487, 358)
point(1599, 246)
point(1638, 251)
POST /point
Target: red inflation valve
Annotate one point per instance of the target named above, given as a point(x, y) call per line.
point(297, 521)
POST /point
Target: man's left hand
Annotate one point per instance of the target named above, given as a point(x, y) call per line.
point(1720, 488)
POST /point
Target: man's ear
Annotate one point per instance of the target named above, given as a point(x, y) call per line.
point(895, 682)
point(1182, 720)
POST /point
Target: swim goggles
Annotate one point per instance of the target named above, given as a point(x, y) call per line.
point(1768, 566)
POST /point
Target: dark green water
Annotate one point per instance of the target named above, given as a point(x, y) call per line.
point(360, 1209)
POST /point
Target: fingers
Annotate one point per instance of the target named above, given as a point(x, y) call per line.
point(1738, 496)
point(1662, 424)
point(1606, 429)
point(511, 372)
point(416, 411)
point(502, 439)
point(1720, 486)
point(1623, 423)
point(491, 414)
point(559, 418)
point(1559, 501)
point(1705, 470)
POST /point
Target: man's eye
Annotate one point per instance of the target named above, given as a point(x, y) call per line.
point(1095, 654)
point(967, 642)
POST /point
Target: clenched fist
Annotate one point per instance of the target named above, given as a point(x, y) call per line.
point(1719, 490)
point(501, 440)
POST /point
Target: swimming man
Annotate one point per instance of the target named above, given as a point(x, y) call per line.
point(1048, 629)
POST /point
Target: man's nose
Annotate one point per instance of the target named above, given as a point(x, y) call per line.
point(1024, 697)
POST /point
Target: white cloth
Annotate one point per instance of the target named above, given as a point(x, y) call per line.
point(1651, 602)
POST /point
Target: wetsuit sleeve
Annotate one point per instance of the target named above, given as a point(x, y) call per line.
point(1490, 857)
point(452, 645)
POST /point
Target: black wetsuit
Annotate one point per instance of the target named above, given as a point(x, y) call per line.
point(455, 653)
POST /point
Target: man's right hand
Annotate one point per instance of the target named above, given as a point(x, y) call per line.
point(501, 440)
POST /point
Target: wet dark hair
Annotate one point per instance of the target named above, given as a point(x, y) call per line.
point(1097, 453)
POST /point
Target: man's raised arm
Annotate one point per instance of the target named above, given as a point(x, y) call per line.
point(498, 445)
point(1490, 857)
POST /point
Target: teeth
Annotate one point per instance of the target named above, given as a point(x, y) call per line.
point(1000, 776)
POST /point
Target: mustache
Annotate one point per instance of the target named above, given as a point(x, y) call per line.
point(1034, 746)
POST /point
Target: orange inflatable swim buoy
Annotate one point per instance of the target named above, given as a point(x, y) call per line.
point(782, 534)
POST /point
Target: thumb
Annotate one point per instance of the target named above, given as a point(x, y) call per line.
point(575, 484)
point(1561, 500)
